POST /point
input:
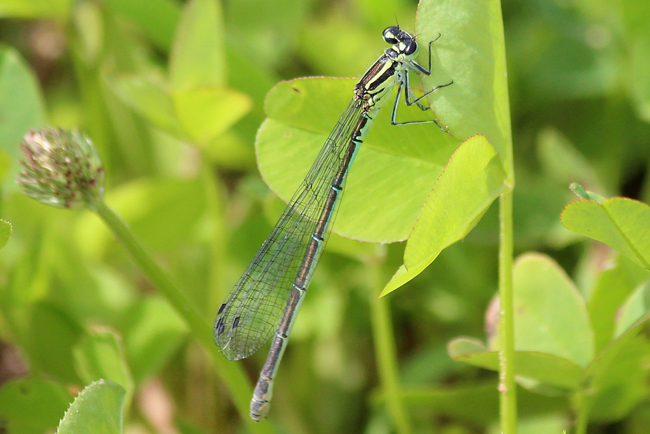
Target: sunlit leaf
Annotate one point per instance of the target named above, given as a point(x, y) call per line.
point(471, 180)
point(619, 222)
point(98, 409)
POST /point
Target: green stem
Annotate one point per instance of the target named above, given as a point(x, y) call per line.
point(507, 385)
point(201, 327)
point(386, 352)
point(582, 419)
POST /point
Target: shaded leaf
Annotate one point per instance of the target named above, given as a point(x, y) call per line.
point(48, 340)
point(634, 309)
point(617, 379)
point(611, 289)
point(32, 405)
point(546, 305)
point(477, 403)
point(542, 367)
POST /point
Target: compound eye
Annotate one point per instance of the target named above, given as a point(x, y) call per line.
point(411, 47)
point(390, 34)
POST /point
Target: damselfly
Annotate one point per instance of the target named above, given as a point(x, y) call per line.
point(268, 295)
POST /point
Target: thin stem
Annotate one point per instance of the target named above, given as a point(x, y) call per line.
point(507, 385)
point(201, 327)
point(217, 242)
point(582, 419)
point(385, 351)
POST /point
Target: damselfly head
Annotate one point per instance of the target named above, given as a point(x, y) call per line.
point(390, 34)
point(403, 43)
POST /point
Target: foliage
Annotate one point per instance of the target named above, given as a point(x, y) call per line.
point(173, 94)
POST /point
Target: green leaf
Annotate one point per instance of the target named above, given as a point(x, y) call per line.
point(579, 191)
point(478, 404)
point(267, 31)
point(98, 356)
point(273, 208)
point(562, 161)
point(470, 182)
point(152, 333)
point(461, 347)
point(391, 177)
point(610, 290)
point(205, 113)
point(5, 232)
point(32, 405)
point(634, 309)
point(617, 379)
point(197, 59)
point(547, 304)
point(471, 51)
point(98, 409)
point(638, 44)
point(161, 213)
point(21, 107)
point(157, 18)
point(34, 8)
point(542, 367)
point(619, 222)
point(48, 340)
point(150, 99)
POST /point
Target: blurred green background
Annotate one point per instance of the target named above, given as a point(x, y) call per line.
point(580, 107)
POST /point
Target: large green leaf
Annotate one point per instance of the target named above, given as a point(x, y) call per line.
point(98, 410)
point(619, 222)
point(471, 51)
point(470, 182)
point(547, 304)
point(391, 177)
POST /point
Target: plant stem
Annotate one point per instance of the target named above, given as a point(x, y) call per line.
point(580, 408)
point(507, 385)
point(385, 351)
point(201, 327)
